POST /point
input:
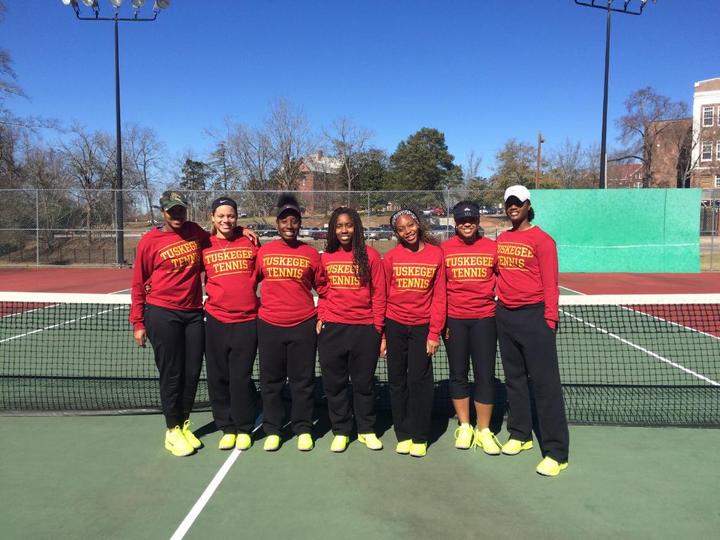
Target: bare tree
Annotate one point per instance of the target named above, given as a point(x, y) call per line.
point(471, 169)
point(567, 163)
point(349, 142)
point(648, 117)
point(90, 162)
point(8, 86)
point(144, 154)
point(289, 134)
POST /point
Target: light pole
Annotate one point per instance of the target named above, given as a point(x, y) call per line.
point(540, 141)
point(116, 18)
point(626, 8)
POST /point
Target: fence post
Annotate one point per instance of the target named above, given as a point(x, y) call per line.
point(37, 227)
point(368, 208)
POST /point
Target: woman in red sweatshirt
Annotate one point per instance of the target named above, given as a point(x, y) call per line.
point(289, 270)
point(230, 325)
point(166, 308)
point(351, 316)
point(415, 317)
point(527, 318)
point(470, 331)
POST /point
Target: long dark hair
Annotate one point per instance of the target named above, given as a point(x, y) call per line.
point(423, 231)
point(360, 256)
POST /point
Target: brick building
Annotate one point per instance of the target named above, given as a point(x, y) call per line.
point(624, 175)
point(706, 134)
point(319, 173)
point(672, 142)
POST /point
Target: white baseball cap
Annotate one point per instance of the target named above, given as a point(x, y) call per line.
point(521, 192)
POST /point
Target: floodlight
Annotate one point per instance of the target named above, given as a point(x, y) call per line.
point(69, 2)
point(90, 3)
point(116, 3)
point(137, 4)
point(161, 4)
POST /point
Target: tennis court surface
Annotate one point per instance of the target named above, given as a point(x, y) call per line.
point(631, 360)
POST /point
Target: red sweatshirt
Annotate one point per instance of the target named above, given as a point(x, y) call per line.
point(289, 274)
point(345, 300)
point(231, 279)
point(528, 271)
point(167, 271)
point(416, 287)
point(470, 271)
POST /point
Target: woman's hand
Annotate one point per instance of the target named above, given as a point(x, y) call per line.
point(431, 347)
point(251, 235)
point(140, 337)
point(318, 326)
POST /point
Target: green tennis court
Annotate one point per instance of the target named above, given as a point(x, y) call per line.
point(108, 476)
point(643, 360)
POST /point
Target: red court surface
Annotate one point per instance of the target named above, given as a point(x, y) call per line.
point(112, 280)
point(65, 280)
point(627, 283)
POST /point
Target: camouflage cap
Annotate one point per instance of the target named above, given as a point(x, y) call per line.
point(172, 198)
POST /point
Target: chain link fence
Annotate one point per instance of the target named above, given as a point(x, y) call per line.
point(63, 227)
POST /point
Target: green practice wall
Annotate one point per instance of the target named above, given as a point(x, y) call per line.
point(622, 230)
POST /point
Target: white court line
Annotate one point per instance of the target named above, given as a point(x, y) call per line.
point(643, 349)
point(120, 291)
point(71, 321)
point(182, 530)
point(689, 328)
point(29, 310)
point(572, 290)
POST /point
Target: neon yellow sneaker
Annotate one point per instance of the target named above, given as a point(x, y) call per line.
point(370, 440)
point(305, 442)
point(550, 467)
point(513, 447)
point(403, 447)
point(418, 449)
point(243, 441)
point(272, 443)
point(227, 442)
point(190, 436)
point(486, 440)
point(339, 443)
point(176, 443)
point(464, 437)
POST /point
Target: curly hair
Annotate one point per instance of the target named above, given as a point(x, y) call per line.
point(360, 256)
point(289, 200)
point(423, 232)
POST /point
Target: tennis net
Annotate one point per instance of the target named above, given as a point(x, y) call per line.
point(637, 360)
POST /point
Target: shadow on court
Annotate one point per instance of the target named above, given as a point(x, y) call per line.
point(110, 477)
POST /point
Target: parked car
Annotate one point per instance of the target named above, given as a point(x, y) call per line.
point(308, 231)
point(319, 234)
point(442, 231)
point(377, 233)
point(438, 211)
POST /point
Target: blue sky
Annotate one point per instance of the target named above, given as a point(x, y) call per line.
point(481, 71)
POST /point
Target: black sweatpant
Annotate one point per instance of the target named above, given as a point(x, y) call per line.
point(349, 350)
point(410, 378)
point(287, 354)
point(528, 351)
point(178, 341)
point(475, 339)
point(230, 350)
